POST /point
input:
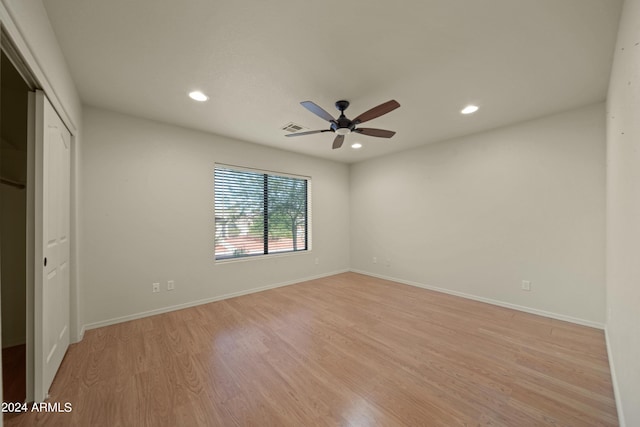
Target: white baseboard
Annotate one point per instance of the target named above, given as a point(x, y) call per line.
point(614, 380)
point(544, 313)
point(134, 316)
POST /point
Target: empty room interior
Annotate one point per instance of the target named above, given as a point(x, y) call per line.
point(320, 213)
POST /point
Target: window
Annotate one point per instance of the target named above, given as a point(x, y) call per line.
point(259, 213)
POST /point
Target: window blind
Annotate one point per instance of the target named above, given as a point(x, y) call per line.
point(259, 213)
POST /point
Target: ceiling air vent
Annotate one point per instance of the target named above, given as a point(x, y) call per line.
point(293, 127)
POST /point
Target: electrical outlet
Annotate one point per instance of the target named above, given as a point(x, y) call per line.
point(317, 261)
point(156, 287)
point(171, 285)
point(387, 262)
point(526, 285)
point(375, 260)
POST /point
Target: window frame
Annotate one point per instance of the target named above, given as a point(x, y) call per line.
point(265, 173)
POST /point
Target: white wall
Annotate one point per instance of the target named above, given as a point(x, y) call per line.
point(623, 215)
point(479, 214)
point(148, 216)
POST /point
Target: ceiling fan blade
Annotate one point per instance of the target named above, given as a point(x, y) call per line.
point(380, 133)
point(377, 111)
point(317, 110)
point(337, 143)
point(307, 133)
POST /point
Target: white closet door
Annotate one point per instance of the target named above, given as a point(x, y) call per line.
point(52, 214)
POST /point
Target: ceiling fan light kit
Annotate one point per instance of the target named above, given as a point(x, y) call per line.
point(343, 126)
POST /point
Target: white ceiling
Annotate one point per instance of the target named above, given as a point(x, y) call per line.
point(258, 59)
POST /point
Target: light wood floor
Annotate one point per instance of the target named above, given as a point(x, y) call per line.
point(346, 350)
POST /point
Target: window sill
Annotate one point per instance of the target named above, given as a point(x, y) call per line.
point(261, 257)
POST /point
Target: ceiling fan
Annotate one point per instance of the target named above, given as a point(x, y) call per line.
point(343, 126)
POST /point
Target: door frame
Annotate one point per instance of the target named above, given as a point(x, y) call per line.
point(26, 60)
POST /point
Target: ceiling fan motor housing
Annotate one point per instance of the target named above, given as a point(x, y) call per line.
point(343, 125)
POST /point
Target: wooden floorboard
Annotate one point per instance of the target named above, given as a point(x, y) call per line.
point(348, 350)
point(14, 361)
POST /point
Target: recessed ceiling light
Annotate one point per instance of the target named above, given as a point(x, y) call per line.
point(356, 145)
point(469, 109)
point(196, 95)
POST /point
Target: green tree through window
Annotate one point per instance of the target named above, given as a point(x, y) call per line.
point(258, 213)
